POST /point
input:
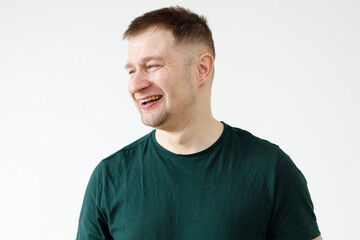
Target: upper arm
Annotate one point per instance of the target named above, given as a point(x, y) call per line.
point(92, 221)
point(318, 238)
point(293, 214)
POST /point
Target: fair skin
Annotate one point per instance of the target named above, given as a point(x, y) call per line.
point(171, 88)
point(178, 78)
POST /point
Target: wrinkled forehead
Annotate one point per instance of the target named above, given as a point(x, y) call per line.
point(152, 44)
point(151, 40)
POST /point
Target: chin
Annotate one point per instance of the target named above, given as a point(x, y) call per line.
point(157, 122)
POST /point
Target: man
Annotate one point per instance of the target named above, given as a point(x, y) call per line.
point(193, 177)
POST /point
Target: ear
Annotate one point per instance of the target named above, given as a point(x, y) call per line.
point(204, 67)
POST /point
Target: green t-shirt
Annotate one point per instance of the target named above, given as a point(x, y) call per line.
point(241, 187)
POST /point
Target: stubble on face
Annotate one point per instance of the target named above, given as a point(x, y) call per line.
point(178, 114)
point(177, 96)
point(157, 120)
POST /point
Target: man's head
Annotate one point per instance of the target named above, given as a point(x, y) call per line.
point(170, 62)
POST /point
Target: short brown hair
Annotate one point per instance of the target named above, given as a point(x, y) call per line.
point(186, 26)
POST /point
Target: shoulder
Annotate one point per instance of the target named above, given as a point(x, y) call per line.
point(250, 145)
point(258, 153)
point(124, 157)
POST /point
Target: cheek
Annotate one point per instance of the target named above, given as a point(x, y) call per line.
point(129, 87)
point(131, 94)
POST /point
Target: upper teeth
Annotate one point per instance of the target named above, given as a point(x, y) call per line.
point(150, 98)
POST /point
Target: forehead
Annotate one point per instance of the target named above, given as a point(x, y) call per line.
point(152, 42)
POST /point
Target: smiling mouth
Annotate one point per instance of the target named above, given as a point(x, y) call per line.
point(150, 99)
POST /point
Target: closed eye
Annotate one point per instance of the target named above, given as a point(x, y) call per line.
point(151, 66)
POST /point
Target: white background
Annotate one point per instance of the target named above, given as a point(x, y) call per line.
point(287, 71)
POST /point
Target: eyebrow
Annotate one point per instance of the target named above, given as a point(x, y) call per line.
point(145, 59)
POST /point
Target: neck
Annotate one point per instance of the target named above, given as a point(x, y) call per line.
point(196, 135)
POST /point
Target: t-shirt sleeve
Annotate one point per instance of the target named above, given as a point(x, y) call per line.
point(92, 222)
point(293, 212)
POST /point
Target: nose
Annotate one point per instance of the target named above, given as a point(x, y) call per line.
point(138, 82)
